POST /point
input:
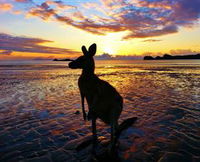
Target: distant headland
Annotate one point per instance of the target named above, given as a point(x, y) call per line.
point(170, 57)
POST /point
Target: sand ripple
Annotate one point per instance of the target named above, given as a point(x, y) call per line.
point(38, 119)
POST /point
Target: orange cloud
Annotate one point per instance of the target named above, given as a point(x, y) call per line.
point(8, 7)
point(140, 19)
point(5, 6)
point(17, 12)
point(59, 4)
point(183, 51)
point(43, 11)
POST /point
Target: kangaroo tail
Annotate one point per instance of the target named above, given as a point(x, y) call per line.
point(124, 125)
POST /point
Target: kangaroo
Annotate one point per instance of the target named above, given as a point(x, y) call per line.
point(104, 102)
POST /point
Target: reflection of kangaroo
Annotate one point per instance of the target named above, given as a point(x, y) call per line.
point(103, 100)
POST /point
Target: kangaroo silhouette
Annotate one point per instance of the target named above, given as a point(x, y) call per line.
point(104, 102)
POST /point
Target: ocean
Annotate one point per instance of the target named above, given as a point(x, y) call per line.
point(40, 105)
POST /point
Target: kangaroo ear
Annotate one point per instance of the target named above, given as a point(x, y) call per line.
point(92, 49)
point(84, 50)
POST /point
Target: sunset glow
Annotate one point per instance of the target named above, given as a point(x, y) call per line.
point(57, 29)
point(99, 80)
point(108, 50)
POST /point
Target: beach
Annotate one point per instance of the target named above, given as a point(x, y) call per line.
point(40, 105)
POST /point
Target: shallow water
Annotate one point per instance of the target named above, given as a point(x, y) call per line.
point(38, 101)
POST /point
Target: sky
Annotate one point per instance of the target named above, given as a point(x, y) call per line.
point(47, 29)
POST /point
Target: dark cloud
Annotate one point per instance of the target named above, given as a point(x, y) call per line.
point(140, 18)
point(152, 40)
point(32, 45)
point(90, 25)
point(152, 33)
point(6, 52)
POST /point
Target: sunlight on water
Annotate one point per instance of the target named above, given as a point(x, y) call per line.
point(39, 100)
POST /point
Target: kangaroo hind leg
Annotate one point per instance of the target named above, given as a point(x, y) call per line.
point(113, 141)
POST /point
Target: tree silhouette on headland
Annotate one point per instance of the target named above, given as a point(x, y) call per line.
point(170, 57)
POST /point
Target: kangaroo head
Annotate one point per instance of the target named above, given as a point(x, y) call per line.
point(86, 61)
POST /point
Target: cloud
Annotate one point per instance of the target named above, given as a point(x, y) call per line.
point(17, 12)
point(23, 1)
point(172, 52)
point(5, 7)
point(107, 56)
point(59, 4)
point(152, 32)
point(139, 18)
point(9, 7)
point(10, 43)
point(49, 9)
point(5, 52)
point(89, 5)
point(43, 11)
point(152, 40)
point(183, 51)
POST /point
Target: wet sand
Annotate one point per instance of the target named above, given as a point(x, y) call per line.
point(38, 105)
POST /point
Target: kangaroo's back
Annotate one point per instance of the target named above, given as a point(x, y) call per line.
point(103, 99)
point(93, 86)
